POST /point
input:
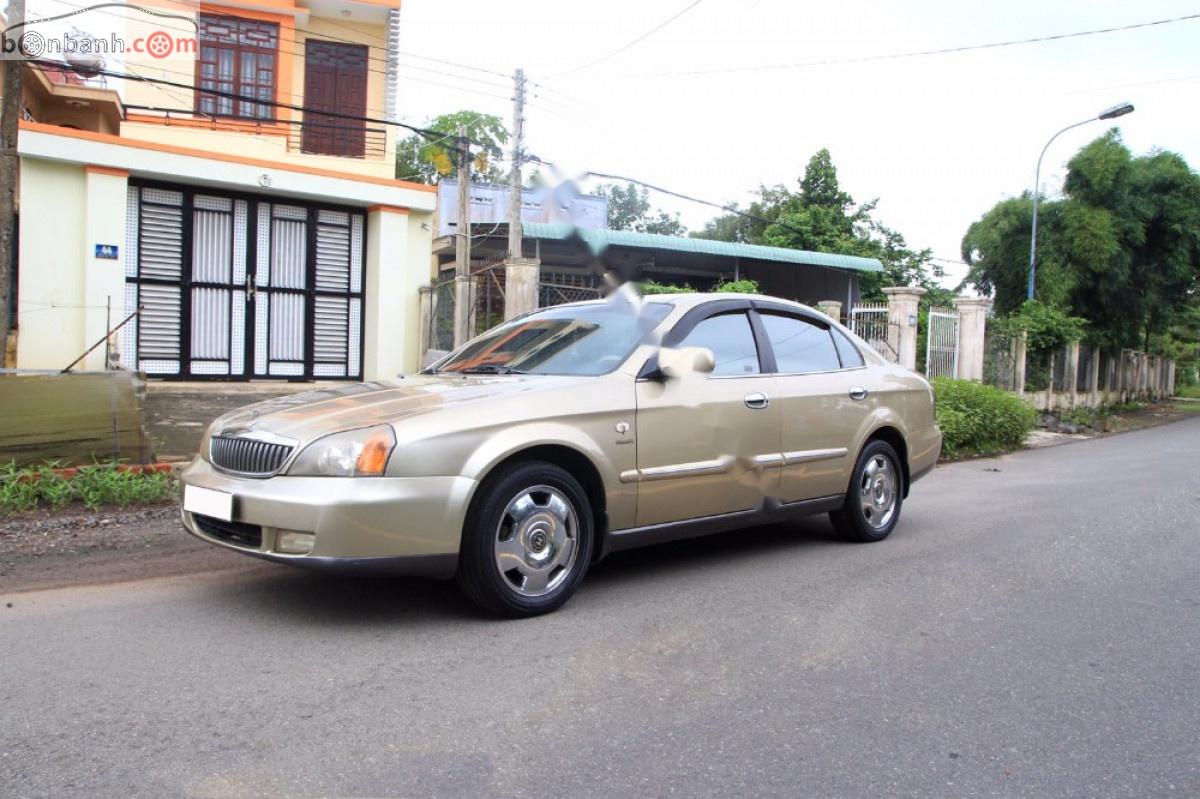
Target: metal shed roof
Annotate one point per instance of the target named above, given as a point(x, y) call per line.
point(598, 240)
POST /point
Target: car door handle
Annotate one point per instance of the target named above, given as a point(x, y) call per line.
point(757, 400)
point(858, 393)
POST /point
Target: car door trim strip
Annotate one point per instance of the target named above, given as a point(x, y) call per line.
point(720, 465)
point(810, 455)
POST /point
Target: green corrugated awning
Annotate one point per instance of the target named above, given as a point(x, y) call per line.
point(599, 240)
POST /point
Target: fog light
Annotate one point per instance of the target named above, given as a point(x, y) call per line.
point(292, 542)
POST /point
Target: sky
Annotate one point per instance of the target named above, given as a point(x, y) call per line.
point(937, 139)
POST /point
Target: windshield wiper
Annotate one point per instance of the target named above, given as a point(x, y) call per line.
point(491, 369)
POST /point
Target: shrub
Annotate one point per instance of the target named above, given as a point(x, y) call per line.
point(743, 286)
point(978, 418)
point(647, 287)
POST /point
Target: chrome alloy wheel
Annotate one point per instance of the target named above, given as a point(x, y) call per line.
point(877, 492)
point(537, 540)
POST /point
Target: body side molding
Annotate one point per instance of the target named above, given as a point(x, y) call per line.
point(772, 510)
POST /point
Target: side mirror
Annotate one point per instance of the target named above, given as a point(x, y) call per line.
point(686, 360)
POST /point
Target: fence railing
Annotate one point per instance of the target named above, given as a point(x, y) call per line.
point(869, 321)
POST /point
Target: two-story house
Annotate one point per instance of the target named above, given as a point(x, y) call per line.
point(236, 196)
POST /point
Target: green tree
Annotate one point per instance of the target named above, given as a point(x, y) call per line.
point(427, 160)
point(629, 209)
point(1120, 249)
point(821, 217)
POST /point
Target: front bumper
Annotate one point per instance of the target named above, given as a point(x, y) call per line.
point(409, 525)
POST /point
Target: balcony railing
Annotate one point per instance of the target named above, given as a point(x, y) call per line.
point(326, 136)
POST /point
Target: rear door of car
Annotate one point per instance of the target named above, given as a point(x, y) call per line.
point(702, 439)
point(823, 399)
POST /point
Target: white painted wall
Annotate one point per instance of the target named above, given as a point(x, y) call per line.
point(389, 324)
point(104, 279)
point(52, 290)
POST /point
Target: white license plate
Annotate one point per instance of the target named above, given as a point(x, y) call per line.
point(207, 502)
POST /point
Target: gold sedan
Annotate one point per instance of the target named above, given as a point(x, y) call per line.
point(517, 461)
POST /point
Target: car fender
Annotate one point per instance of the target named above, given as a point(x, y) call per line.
point(621, 498)
point(878, 419)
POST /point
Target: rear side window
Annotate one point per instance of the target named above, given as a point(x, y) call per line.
point(851, 357)
point(800, 346)
point(731, 339)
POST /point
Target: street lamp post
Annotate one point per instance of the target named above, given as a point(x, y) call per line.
point(1109, 113)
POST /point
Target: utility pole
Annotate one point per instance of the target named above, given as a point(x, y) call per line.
point(463, 295)
point(520, 273)
point(515, 183)
point(10, 115)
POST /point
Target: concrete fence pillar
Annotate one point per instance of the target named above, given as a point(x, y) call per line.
point(1071, 373)
point(902, 322)
point(972, 330)
point(1170, 378)
point(520, 286)
point(831, 308)
point(1093, 387)
point(464, 309)
point(1019, 351)
point(1125, 375)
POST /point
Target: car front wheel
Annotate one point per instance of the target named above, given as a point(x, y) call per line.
point(527, 541)
point(876, 493)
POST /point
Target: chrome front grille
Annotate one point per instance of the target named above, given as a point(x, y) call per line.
point(250, 456)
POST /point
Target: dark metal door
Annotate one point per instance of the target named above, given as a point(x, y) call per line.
point(217, 289)
point(185, 265)
point(308, 292)
point(234, 287)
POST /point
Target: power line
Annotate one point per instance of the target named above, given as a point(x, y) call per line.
point(639, 39)
point(919, 53)
point(729, 209)
point(427, 132)
point(194, 31)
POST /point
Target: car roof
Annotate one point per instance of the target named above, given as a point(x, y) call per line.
point(689, 300)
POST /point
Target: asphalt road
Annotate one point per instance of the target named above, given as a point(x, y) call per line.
point(1031, 629)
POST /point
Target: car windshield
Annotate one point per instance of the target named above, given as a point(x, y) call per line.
point(563, 340)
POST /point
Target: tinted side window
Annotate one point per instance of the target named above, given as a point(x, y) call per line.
point(800, 346)
point(732, 341)
point(851, 357)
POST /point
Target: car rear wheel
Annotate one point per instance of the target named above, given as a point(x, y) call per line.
point(876, 493)
point(527, 541)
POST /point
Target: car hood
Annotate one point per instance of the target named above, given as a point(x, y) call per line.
point(313, 414)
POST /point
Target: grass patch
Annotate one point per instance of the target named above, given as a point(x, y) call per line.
point(1190, 392)
point(48, 486)
point(1106, 418)
point(978, 419)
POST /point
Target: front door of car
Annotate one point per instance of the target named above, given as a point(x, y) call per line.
point(819, 374)
point(702, 439)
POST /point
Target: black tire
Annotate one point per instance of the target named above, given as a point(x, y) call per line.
point(479, 573)
point(853, 521)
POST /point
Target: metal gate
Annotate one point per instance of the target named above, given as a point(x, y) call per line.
point(869, 321)
point(559, 288)
point(235, 288)
point(941, 343)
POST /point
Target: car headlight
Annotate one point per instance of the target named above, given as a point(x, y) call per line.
point(358, 453)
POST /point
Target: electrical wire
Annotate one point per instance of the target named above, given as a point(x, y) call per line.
point(427, 132)
point(194, 31)
point(630, 44)
point(726, 208)
point(920, 53)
